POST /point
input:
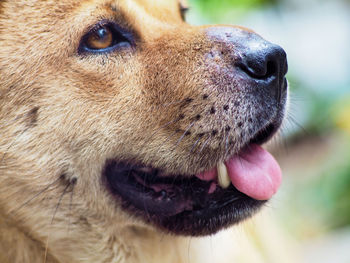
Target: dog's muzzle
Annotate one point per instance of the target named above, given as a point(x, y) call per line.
point(257, 61)
point(242, 72)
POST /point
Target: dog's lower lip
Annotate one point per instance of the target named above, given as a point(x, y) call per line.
point(146, 190)
point(171, 202)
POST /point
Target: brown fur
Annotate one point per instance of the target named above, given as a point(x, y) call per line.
point(62, 115)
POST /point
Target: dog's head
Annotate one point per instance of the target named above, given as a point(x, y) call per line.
point(140, 116)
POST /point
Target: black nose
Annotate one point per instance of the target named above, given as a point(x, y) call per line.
point(254, 60)
point(262, 60)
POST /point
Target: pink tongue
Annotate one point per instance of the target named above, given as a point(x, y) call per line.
point(253, 172)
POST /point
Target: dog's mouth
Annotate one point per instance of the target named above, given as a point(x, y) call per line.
point(202, 203)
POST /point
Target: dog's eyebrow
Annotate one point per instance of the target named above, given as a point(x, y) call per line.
point(122, 17)
point(113, 7)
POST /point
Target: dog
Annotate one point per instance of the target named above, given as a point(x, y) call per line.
point(125, 131)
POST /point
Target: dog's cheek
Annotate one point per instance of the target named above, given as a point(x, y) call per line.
point(180, 98)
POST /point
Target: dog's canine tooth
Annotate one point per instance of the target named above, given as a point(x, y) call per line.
point(223, 178)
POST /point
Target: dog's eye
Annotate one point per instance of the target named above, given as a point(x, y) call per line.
point(101, 38)
point(104, 38)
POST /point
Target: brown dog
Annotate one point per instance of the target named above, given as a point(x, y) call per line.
point(121, 124)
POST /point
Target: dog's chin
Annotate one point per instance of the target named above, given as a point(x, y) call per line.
point(182, 204)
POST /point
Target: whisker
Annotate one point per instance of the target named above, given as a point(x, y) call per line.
point(53, 218)
point(37, 194)
point(284, 143)
point(184, 134)
point(162, 127)
point(59, 202)
point(205, 144)
point(13, 143)
point(194, 145)
point(73, 183)
point(170, 136)
point(174, 102)
point(226, 143)
point(295, 122)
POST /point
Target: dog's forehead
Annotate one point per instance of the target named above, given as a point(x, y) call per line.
point(162, 9)
point(152, 7)
point(163, 3)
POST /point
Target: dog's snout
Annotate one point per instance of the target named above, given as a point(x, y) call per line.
point(247, 54)
point(257, 57)
point(262, 60)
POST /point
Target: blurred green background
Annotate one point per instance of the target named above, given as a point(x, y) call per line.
point(314, 151)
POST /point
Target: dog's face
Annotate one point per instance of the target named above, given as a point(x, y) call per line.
point(135, 115)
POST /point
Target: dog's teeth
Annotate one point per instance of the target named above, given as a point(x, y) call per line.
point(223, 178)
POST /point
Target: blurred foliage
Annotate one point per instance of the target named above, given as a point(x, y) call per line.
point(224, 5)
point(337, 194)
point(224, 10)
point(317, 199)
point(342, 114)
point(328, 194)
point(316, 109)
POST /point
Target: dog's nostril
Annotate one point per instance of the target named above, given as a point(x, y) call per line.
point(271, 69)
point(264, 62)
point(258, 70)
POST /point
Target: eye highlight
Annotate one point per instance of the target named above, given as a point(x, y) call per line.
point(100, 39)
point(104, 38)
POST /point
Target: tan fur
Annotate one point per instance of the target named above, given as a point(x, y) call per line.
point(63, 116)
